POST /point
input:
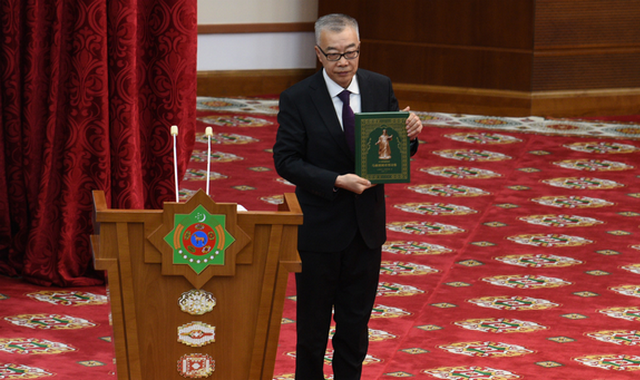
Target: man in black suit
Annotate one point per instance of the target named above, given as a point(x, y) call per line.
point(340, 240)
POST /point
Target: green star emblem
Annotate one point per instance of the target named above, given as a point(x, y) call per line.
point(199, 239)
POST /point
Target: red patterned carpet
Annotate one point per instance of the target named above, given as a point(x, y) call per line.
point(513, 254)
point(54, 333)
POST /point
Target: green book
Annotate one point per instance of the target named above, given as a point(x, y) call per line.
point(382, 147)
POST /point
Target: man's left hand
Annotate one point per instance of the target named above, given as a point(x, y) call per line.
point(414, 124)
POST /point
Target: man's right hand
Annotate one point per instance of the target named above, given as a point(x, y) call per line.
point(353, 183)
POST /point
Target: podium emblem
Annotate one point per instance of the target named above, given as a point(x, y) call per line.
point(199, 239)
point(197, 302)
point(196, 366)
point(196, 334)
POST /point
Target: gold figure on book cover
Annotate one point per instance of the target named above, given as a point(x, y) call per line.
point(384, 150)
point(382, 147)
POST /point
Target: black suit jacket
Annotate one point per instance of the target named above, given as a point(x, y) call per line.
point(311, 151)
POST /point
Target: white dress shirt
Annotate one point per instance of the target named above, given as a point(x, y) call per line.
point(335, 89)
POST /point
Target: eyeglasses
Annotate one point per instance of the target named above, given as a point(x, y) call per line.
point(351, 54)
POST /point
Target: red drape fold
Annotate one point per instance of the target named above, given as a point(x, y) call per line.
point(88, 92)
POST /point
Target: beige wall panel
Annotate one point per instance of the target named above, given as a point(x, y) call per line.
point(256, 11)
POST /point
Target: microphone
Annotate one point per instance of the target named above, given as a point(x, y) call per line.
point(209, 133)
point(174, 133)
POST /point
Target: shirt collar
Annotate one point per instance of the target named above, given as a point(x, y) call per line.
point(335, 89)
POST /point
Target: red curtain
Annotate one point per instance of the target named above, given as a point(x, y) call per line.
point(88, 92)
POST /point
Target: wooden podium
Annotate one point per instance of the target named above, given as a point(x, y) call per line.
point(196, 289)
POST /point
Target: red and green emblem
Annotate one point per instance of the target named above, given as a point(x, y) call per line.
point(199, 239)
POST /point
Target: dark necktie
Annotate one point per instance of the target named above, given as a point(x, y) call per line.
point(348, 119)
